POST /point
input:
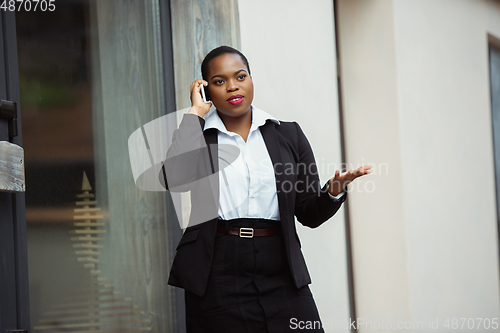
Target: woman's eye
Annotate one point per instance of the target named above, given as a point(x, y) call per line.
point(218, 81)
point(242, 76)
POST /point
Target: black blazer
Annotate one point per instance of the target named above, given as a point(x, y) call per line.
point(289, 149)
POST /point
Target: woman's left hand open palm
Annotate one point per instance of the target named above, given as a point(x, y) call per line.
point(339, 181)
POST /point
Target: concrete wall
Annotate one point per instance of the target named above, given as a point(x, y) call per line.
point(290, 46)
point(446, 135)
point(416, 92)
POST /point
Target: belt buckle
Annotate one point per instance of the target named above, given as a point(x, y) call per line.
point(246, 232)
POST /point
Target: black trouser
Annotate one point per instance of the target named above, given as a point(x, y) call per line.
point(250, 288)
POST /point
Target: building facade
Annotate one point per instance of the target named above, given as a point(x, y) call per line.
point(410, 87)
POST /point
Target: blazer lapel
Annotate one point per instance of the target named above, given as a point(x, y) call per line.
point(270, 135)
point(211, 141)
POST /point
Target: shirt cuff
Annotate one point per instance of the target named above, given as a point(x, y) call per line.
point(337, 197)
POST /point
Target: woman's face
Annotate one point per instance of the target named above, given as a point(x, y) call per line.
point(229, 85)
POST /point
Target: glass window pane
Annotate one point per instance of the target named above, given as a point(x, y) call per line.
point(99, 248)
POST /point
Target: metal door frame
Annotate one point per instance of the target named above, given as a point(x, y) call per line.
point(14, 282)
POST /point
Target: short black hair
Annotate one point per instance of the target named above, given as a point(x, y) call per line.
point(217, 52)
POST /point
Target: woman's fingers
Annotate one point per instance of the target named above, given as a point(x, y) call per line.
point(340, 180)
point(364, 170)
point(195, 86)
point(353, 174)
point(197, 83)
point(196, 99)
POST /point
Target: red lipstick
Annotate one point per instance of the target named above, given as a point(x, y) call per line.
point(235, 99)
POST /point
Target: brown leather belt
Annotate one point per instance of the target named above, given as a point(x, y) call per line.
point(249, 232)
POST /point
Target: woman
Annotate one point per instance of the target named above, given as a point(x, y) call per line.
point(243, 271)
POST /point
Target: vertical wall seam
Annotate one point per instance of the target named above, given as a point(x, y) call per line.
point(350, 273)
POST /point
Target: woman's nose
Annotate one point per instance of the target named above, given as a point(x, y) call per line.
point(231, 85)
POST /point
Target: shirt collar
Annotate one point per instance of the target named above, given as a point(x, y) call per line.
point(259, 118)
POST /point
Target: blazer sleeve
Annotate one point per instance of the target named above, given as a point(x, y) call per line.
point(179, 169)
point(313, 204)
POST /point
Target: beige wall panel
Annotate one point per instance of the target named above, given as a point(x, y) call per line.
point(372, 134)
point(416, 93)
point(447, 156)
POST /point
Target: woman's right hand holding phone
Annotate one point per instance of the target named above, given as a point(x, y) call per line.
point(198, 107)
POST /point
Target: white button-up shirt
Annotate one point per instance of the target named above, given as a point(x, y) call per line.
point(248, 185)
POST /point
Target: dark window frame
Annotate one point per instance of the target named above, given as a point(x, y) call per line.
point(14, 283)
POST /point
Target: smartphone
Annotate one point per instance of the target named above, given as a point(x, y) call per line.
point(204, 95)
